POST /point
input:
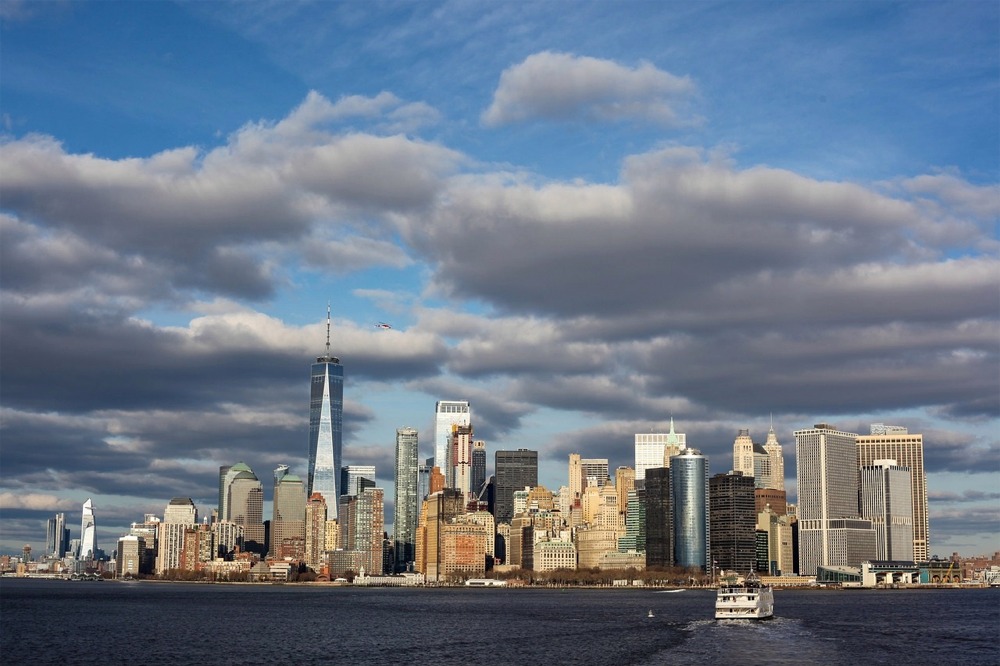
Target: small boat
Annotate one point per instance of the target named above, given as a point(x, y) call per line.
point(749, 600)
point(650, 613)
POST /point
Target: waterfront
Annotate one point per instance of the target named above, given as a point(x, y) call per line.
point(47, 622)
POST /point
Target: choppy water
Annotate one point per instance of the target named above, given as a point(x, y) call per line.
point(49, 622)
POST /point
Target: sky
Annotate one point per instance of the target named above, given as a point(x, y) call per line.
point(586, 218)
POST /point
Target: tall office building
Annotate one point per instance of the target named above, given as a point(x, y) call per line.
point(743, 453)
point(773, 449)
point(404, 523)
point(355, 478)
point(896, 443)
point(649, 449)
point(288, 518)
point(886, 498)
point(57, 536)
point(659, 518)
point(179, 516)
point(624, 484)
point(689, 499)
point(243, 504)
point(595, 471)
point(831, 530)
point(315, 519)
point(448, 413)
point(88, 532)
point(577, 479)
point(361, 527)
point(515, 470)
point(424, 480)
point(461, 458)
point(128, 561)
point(478, 465)
point(732, 518)
point(326, 426)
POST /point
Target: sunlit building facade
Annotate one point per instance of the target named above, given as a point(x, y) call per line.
point(448, 413)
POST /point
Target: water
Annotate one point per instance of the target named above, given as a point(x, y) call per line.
point(50, 622)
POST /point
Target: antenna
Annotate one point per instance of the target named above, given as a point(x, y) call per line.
point(328, 329)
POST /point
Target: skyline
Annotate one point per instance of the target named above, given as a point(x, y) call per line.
point(582, 220)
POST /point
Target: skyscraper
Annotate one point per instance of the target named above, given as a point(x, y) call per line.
point(595, 471)
point(886, 498)
point(831, 530)
point(743, 453)
point(659, 518)
point(773, 449)
point(88, 532)
point(326, 426)
point(315, 519)
point(732, 519)
point(896, 443)
point(57, 536)
point(515, 470)
point(461, 458)
point(649, 449)
point(407, 502)
point(243, 504)
point(448, 413)
point(289, 510)
point(577, 479)
point(179, 516)
point(478, 465)
point(689, 497)
point(355, 478)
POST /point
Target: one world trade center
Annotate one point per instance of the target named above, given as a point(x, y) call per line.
point(326, 426)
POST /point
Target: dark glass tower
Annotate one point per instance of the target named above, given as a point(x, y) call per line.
point(407, 501)
point(733, 520)
point(478, 465)
point(515, 470)
point(326, 427)
point(659, 518)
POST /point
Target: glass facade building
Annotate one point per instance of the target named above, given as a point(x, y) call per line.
point(404, 523)
point(326, 427)
point(88, 532)
point(689, 495)
point(515, 470)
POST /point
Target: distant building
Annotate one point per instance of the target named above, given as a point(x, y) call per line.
point(831, 531)
point(514, 471)
point(57, 536)
point(689, 497)
point(779, 552)
point(732, 520)
point(288, 519)
point(743, 453)
point(180, 514)
point(478, 465)
point(407, 510)
point(896, 443)
point(326, 428)
point(595, 471)
point(243, 504)
point(128, 562)
point(773, 449)
point(448, 413)
point(659, 518)
point(461, 458)
point(315, 524)
point(886, 499)
point(88, 533)
point(355, 478)
point(776, 499)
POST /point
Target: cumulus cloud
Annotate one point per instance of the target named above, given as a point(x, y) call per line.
point(36, 502)
point(559, 86)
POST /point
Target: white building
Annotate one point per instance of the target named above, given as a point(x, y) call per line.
point(886, 499)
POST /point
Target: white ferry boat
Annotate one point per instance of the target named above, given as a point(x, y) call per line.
point(750, 600)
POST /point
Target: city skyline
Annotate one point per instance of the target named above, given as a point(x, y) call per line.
point(584, 222)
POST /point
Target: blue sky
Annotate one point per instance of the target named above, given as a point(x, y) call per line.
point(585, 218)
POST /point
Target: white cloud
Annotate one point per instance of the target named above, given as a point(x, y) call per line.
point(556, 86)
point(36, 502)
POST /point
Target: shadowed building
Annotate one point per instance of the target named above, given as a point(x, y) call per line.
point(732, 521)
point(515, 470)
point(659, 518)
point(407, 510)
